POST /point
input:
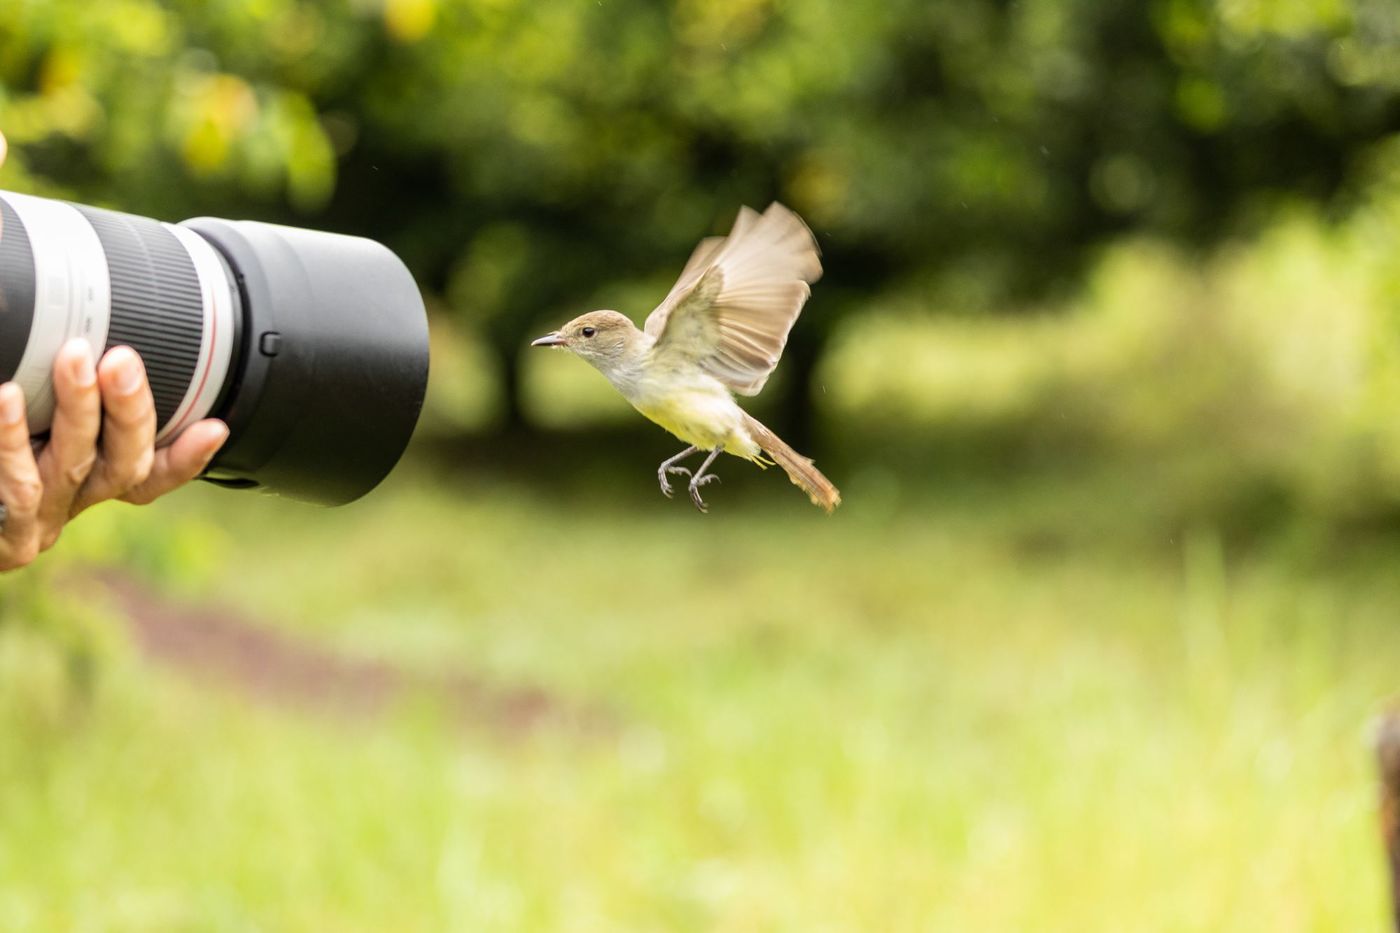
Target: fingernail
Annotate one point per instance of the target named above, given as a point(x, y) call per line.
point(81, 369)
point(129, 371)
point(11, 403)
point(215, 440)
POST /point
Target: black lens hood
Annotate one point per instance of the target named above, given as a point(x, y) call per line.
point(329, 377)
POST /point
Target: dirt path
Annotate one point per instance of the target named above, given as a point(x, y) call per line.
point(271, 667)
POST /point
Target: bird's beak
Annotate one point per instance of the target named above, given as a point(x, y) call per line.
point(555, 339)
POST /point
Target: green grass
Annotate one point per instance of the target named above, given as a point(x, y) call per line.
point(979, 709)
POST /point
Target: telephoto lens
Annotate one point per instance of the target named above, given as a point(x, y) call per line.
point(313, 347)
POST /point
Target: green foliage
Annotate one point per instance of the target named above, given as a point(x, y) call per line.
point(525, 155)
point(1263, 375)
point(56, 635)
point(51, 647)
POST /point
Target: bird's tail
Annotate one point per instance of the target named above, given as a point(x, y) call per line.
point(799, 469)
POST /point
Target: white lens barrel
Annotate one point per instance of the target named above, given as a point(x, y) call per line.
point(72, 295)
point(216, 349)
point(121, 279)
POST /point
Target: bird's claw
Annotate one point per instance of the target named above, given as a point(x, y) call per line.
point(661, 476)
point(695, 483)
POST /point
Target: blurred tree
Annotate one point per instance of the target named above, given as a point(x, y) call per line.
point(531, 158)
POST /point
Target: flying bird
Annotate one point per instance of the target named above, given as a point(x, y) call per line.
point(720, 331)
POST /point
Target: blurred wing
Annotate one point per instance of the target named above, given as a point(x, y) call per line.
point(695, 266)
point(732, 308)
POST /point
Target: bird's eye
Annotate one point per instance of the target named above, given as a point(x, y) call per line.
point(589, 331)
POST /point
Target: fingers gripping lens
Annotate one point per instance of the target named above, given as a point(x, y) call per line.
point(157, 307)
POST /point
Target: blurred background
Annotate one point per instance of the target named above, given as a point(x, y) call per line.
point(1106, 362)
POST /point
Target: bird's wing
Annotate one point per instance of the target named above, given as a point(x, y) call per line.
point(732, 308)
point(695, 266)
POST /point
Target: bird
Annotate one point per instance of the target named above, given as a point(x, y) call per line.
point(720, 331)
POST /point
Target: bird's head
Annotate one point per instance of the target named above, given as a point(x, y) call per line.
point(603, 338)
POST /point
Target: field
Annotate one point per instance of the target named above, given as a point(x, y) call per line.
point(1105, 359)
point(972, 705)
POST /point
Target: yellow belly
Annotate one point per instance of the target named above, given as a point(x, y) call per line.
point(702, 418)
point(691, 422)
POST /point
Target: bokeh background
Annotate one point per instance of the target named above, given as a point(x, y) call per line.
point(1106, 362)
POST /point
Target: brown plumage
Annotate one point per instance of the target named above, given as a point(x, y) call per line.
point(801, 470)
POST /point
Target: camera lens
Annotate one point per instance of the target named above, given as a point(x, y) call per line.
point(312, 346)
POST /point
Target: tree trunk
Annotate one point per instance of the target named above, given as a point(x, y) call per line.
point(796, 414)
point(512, 392)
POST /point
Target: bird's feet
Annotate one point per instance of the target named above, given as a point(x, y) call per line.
point(695, 483)
point(661, 477)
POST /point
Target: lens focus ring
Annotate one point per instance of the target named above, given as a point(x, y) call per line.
point(157, 306)
point(16, 290)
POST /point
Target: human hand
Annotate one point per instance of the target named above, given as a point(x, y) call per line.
point(101, 446)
